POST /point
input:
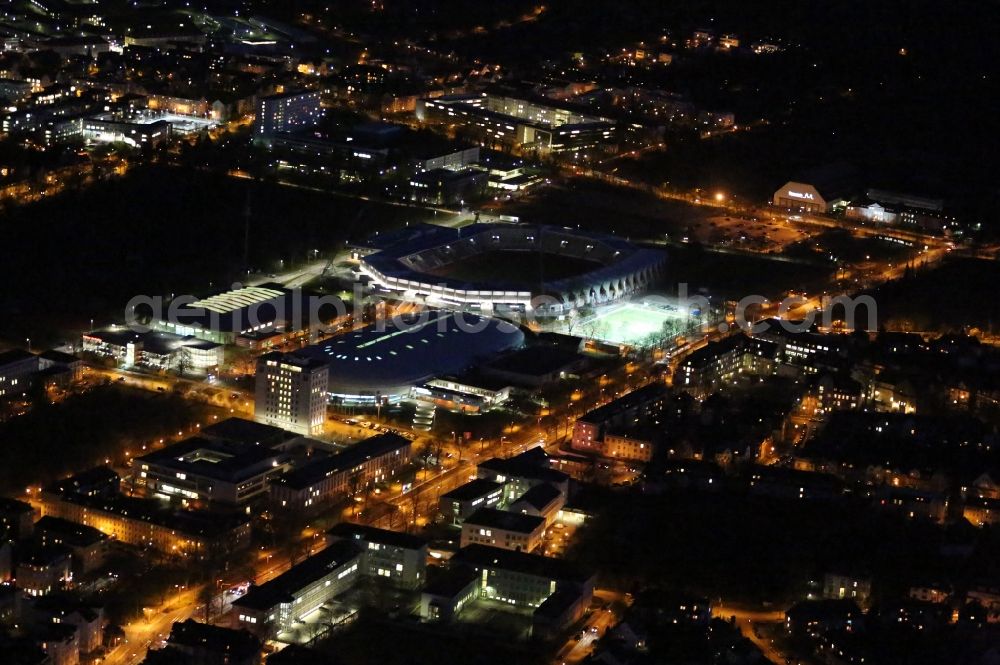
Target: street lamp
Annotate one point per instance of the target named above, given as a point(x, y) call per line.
point(28, 340)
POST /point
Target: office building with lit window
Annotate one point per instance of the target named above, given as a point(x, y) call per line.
point(292, 392)
point(343, 474)
point(556, 591)
point(466, 499)
point(16, 370)
point(275, 606)
point(506, 530)
point(278, 114)
point(520, 473)
point(93, 498)
point(399, 558)
point(498, 120)
point(229, 466)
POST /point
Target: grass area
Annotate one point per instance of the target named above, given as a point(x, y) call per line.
point(523, 268)
point(632, 324)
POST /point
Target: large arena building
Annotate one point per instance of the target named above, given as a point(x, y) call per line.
point(511, 269)
point(384, 361)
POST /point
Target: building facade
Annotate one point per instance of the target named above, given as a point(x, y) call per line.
point(292, 393)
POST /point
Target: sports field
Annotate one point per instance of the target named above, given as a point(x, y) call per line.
point(634, 324)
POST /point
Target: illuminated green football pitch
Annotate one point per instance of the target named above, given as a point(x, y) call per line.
point(634, 324)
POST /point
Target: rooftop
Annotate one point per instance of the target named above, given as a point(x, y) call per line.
point(501, 519)
point(480, 556)
point(71, 534)
point(540, 496)
point(370, 534)
point(532, 463)
point(448, 582)
point(217, 459)
point(238, 645)
point(312, 473)
point(388, 355)
point(632, 400)
point(13, 356)
point(248, 431)
point(473, 490)
point(282, 589)
point(535, 360)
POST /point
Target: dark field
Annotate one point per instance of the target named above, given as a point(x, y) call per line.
point(596, 206)
point(161, 230)
point(733, 275)
point(955, 295)
point(516, 267)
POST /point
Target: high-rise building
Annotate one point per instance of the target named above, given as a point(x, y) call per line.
point(278, 114)
point(291, 392)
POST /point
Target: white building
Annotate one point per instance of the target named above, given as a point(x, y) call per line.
point(292, 393)
point(805, 197)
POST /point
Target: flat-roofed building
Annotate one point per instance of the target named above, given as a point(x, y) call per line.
point(520, 473)
point(464, 500)
point(16, 369)
point(224, 317)
point(292, 392)
point(88, 545)
point(274, 606)
point(398, 557)
point(92, 499)
point(286, 112)
point(543, 501)
point(154, 350)
point(211, 470)
point(370, 461)
point(517, 579)
point(506, 530)
point(499, 120)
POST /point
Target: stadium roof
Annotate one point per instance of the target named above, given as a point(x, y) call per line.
point(389, 357)
point(618, 256)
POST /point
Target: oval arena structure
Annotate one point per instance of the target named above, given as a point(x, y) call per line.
point(547, 270)
point(385, 360)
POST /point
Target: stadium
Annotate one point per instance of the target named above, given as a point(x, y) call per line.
point(385, 360)
point(510, 269)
